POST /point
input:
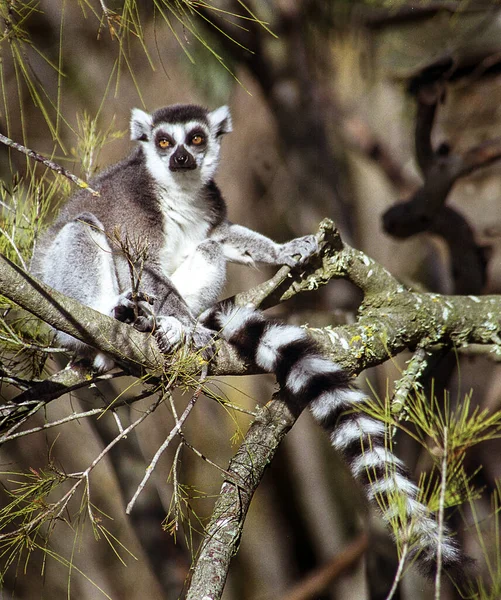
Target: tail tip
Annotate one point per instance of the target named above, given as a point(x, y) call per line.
point(458, 567)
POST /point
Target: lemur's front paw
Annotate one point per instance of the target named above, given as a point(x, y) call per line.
point(136, 309)
point(298, 251)
point(170, 333)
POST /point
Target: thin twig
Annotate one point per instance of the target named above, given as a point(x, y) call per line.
point(175, 484)
point(14, 338)
point(10, 435)
point(55, 510)
point(17, 383)
point(175, 430)
point(62, 421)
point(236, 407)
point(22, 420)
point(48, 163)
point(16, 249)
point(224, 472)
point(117, 421)
point(400, 570)
point(185, 442)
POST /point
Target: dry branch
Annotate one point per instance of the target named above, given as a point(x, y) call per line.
point(48, 163)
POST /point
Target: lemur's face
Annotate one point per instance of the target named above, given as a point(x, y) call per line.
point(181, 142)
point(184, 146)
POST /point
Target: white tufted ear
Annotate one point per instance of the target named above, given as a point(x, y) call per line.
point(220, 120)
point(140, 125)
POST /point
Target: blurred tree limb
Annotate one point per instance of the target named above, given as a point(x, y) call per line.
point(318, 581)
point(409, 12)
point(424, 206)
point(441, 168)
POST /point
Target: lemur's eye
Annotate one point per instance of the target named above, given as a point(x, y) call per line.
point(197, 139)
point(163, 143)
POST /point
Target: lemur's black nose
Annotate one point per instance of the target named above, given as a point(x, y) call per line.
point(182, 159)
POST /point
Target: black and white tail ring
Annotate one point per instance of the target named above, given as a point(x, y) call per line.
point(312, 380)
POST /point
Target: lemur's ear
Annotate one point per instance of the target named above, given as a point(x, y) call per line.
point(220, 120)
point(140, 125)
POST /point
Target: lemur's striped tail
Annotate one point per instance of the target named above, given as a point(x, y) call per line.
point(313, 380)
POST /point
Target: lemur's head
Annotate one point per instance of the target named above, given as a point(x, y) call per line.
point(181, 141)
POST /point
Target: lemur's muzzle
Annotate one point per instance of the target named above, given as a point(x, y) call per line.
point(181, 160)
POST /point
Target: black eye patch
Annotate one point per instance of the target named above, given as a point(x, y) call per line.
point(164, 140)
point(196, 137)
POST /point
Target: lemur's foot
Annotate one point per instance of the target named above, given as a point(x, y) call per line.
point(298, 251)
point(170, 333)
point(136, 309)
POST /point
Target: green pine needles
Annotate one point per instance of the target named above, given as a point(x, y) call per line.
point(446, 430)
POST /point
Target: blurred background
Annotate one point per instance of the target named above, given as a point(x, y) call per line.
point(324, 117)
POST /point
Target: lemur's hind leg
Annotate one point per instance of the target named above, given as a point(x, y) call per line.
point(80, 263)
point(199, 280)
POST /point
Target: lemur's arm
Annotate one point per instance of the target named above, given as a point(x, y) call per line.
point(244, 246)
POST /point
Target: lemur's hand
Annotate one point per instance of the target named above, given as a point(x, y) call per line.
point(298, 251)
point(170, 333)
point(135, 309)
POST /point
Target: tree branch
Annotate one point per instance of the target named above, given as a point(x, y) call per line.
point(223, 533)
point(48, 163)
point(121, 342)
point(391, 319)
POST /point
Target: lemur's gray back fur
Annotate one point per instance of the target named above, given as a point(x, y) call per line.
point(164, 193)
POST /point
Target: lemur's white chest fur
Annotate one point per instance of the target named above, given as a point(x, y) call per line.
point(185, 225)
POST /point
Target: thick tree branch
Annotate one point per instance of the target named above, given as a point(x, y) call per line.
point(223, 533)
point(122, 343)
point(391, 318)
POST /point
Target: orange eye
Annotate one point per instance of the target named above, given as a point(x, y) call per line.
point(197, 140)
point(163, 143)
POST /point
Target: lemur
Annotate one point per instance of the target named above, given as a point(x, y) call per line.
point(164, 194)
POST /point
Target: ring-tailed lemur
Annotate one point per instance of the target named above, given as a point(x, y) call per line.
point(164, 194)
